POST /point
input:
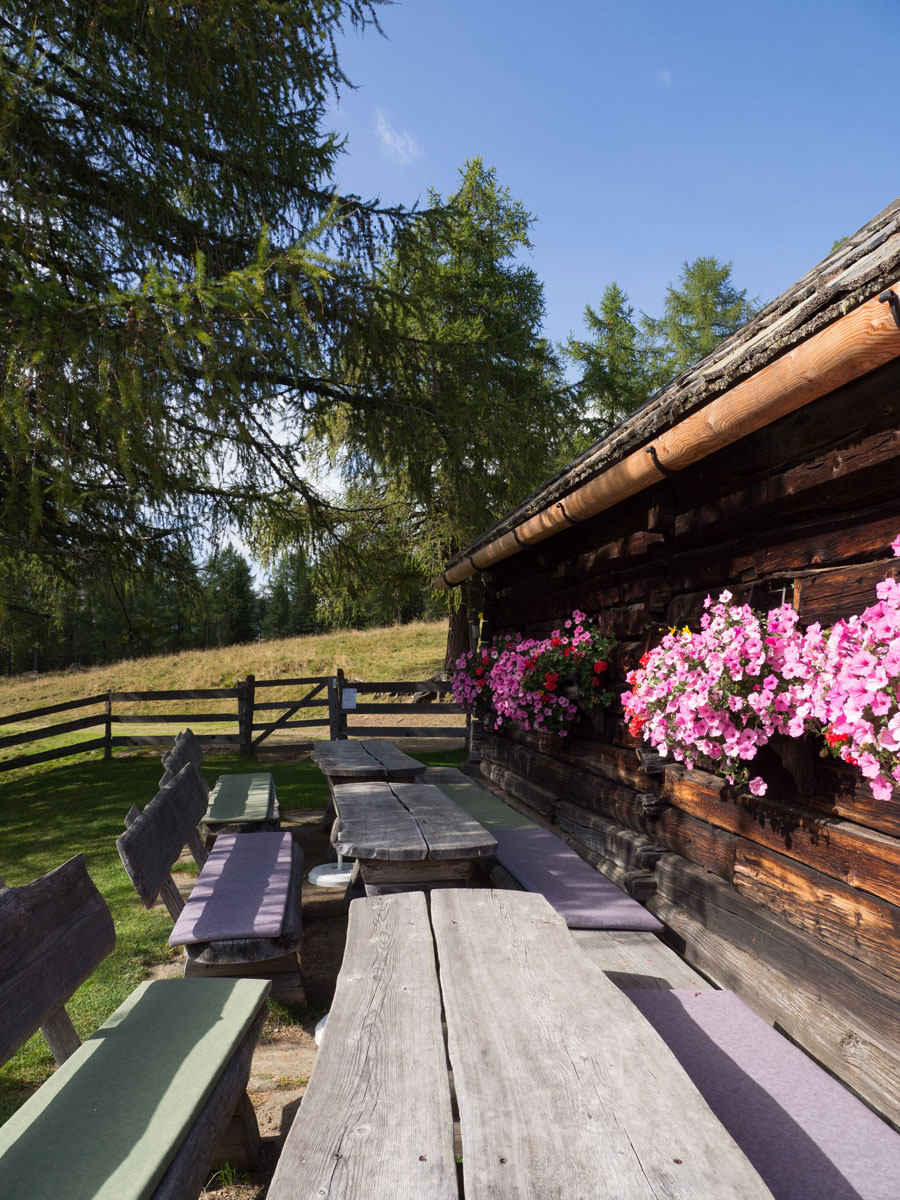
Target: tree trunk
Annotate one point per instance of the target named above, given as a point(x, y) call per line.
point(457, 637)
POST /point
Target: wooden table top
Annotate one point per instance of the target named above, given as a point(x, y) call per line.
point(405, 822)
point(565, 1092)
point(366, 759)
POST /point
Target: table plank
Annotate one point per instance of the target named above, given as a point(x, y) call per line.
point(564, 1090)
point(634, 959)
point(398, 764)
point(373, 824)
point(347, 759)
point(376, 1120)
point(448, 830)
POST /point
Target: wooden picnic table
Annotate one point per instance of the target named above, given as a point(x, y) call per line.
point(564, 1090)
point(407, 835)
point(365, 759)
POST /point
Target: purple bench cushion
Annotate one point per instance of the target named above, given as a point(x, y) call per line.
point(807, 1136)
point(583, 897)
point(242, 890)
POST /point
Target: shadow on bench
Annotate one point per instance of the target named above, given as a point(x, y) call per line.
point(235, 803)
point(243, 916)
point(139, 1109)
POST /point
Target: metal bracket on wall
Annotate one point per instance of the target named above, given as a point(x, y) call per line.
point(890, 297)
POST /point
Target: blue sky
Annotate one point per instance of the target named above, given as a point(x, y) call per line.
point(639, 134)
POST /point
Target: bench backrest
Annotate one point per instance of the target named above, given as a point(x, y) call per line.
point(187, 749)
point(53, 933)
point(155, 838)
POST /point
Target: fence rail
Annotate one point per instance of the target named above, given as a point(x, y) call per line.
point(251, 720)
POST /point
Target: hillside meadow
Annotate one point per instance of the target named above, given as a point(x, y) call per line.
point(395, 653)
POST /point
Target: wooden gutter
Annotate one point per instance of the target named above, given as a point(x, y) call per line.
point(850, 347)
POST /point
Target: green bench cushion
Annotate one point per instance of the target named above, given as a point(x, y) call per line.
point(239, 798)
point(487, 810)
point(107, 1124)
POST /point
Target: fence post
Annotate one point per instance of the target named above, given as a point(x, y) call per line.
point(107, 749)
point(245, 690)
point(342, 716)
point(334, 708)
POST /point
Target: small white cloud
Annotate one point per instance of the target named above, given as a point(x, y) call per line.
point(664, 77)
point(396, 144)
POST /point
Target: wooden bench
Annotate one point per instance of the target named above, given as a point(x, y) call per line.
point(139, 1109)
point(537, 860)
point(563, 1088)
point(235, 803)
point(243, 916)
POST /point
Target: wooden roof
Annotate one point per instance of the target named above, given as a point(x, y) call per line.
point(852, 274)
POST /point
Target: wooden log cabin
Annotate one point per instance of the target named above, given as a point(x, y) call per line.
point(772, 468)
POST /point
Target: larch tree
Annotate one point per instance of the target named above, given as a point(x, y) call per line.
point(487, 411)
point(703, 309)
point(182, 288)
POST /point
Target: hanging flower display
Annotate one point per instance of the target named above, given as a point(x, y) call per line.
point(857, 698)
point(530, 681)
point(715, 697)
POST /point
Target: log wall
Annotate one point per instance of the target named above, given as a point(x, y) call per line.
point(792, 899)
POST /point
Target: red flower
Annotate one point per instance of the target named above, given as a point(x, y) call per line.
point(636, 724)
point(834, 739)
point(567, 651)
point(600, 666)
point(645, 658)
point(556, 641)
point(550, 680)
point(479, 670)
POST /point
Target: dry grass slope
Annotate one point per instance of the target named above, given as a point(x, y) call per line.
point(414, 651)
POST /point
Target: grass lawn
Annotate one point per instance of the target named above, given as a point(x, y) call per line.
point(51, 811)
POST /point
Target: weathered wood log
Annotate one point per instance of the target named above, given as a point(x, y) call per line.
point(865, 859)
point(853, 922)
point(631, 850)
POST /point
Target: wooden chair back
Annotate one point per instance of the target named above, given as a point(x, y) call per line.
point(53, 933)
point(154, 838)
point(187, 749)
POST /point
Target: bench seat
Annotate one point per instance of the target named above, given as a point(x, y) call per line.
point(109, 1121)
point(487, 809)
point(236, 803)
point(244, 915)
point(583, 897)
point(807, 1135)
point(246, 799)
point(242, 891)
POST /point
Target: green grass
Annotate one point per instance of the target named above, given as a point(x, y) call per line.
point(54, 810)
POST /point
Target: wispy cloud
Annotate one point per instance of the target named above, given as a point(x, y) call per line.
point(396, 144)
point(664, 77)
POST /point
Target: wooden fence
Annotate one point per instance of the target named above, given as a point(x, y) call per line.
point(252, 720)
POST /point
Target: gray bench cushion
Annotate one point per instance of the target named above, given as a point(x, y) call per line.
point(583, 897)
point(240, 798)
point(242, 891)
point(487, 809)
point(108, 1122)
point(808, 1137)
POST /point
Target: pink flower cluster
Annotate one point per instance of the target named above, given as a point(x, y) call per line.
point(857, 701)
point(715, 697)
point(521, 680)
